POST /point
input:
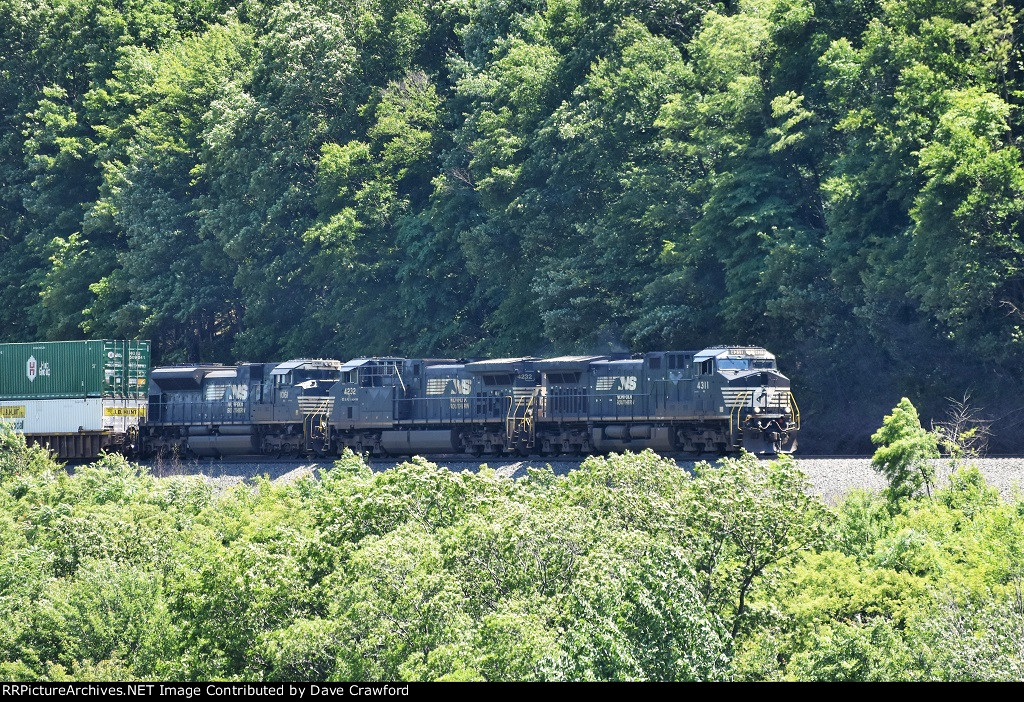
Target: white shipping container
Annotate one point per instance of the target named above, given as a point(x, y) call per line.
point(72, 416)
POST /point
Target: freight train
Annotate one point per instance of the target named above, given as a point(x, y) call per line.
point(720, 399)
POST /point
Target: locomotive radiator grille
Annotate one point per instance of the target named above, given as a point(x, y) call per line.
point(315, 405)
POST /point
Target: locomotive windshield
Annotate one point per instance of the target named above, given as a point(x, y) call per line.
point(302, 375)
point(742, 364)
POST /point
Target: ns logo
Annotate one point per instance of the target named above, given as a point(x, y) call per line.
point(462, 387)
point(446, 386)
point(624, 382)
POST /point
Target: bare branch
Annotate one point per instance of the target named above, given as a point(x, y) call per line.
point(964, 433)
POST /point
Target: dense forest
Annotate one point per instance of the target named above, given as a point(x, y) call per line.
point(626, 569)
point(840, 181)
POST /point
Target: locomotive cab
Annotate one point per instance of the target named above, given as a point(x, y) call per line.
point(295, 389)
point(745, 385)
point(367, 391)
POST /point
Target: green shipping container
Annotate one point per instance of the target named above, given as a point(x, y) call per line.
point(74, 369)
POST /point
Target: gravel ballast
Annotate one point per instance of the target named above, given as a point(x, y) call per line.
point(831, 478)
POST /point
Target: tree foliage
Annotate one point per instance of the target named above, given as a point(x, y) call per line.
point(622, 570)
point(904, 452)
point(628, 568)
point(840, 182)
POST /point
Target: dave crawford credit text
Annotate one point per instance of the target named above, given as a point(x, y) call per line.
point(215, 690)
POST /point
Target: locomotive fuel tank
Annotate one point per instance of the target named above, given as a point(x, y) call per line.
point(422, 441)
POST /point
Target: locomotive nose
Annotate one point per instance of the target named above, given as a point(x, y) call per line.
point(760, 394)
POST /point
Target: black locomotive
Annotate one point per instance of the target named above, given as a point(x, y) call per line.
point(721, 399)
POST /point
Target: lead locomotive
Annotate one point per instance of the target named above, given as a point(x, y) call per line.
point(721, 399)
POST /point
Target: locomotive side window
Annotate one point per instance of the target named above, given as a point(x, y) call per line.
point(655, 362)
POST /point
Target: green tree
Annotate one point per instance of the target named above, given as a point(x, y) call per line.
point(172, 282)
point(744, 519)
point(904, 454)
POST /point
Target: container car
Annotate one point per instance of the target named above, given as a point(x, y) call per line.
point(77, 398)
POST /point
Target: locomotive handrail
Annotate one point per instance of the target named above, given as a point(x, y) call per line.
point(795, 408)
point(516, 424)
point(318, 411)
point(741, 401)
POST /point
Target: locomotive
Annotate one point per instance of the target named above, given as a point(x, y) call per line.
point(251, 408)
point(720, 399)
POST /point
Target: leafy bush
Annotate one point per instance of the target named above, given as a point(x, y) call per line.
point(626, 569)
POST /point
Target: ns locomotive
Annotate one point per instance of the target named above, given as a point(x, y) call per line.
point(719, 399)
